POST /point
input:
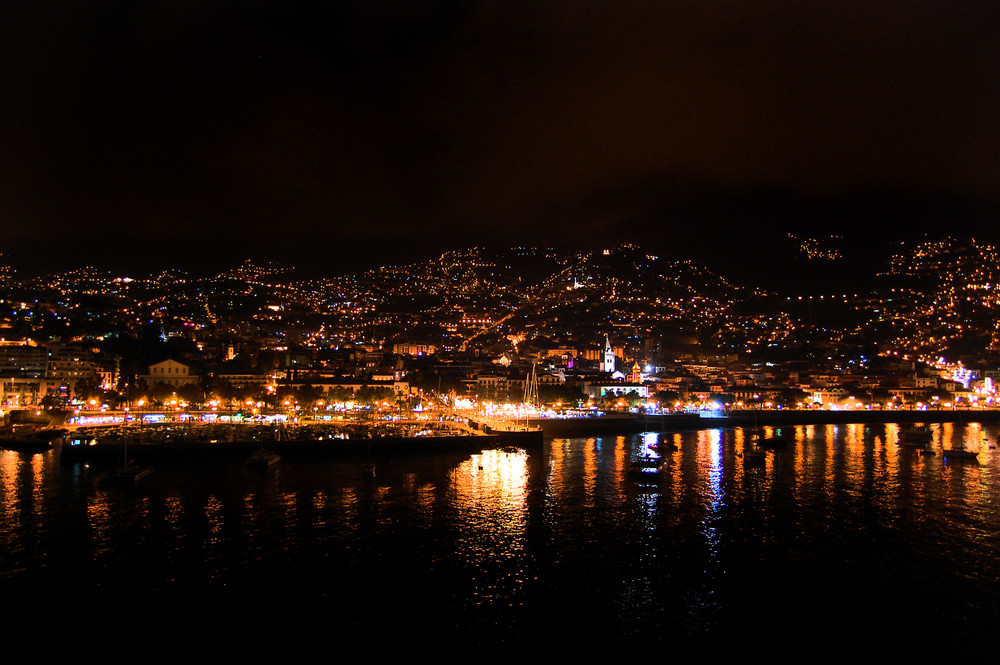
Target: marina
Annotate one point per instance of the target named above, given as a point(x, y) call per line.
point(244, 441)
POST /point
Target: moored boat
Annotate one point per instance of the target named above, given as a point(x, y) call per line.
point(961, 453)
point(123, 476)
point(261, 459)
point(663, 446)
point(127, 473)
point(646, 469)
point(777, 441)
point(916, 437)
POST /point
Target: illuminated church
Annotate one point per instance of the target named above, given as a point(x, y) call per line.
point(609, 357)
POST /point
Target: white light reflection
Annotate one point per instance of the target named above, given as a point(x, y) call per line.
point(648, 497)
point(710, 485)
point(712, 440)
point(710, 490)
point(649, 440)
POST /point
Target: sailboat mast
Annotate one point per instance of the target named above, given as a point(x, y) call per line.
point(530, 394)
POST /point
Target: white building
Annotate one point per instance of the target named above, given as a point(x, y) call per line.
point(609, 357)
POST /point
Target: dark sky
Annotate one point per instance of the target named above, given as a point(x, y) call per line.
point(340, 134)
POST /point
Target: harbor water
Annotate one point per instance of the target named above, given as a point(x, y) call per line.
point(841, 543)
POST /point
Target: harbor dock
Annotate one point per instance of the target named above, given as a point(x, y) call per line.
point(221, 441)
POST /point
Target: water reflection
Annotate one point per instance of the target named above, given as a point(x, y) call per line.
point(10, 465)
point(174, 528)
point(713, 498)
point(489, 491)
point(511, 545)
point(22, 499)
point(709, 449)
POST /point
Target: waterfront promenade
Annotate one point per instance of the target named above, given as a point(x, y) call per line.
point(473, 422)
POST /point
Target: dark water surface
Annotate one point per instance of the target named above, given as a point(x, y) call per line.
point(844, 544)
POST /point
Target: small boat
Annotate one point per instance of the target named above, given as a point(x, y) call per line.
point(961, 453)
point(663, 445)
point(780, 441)
point(261, 459)
point(916, 437)
point(754, 456)
point(123, 476)
point(127, 473)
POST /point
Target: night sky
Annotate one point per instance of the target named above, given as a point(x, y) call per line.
point(339, 135)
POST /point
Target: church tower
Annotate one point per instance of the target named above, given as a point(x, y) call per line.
point(609, 357)
point(636, 375)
